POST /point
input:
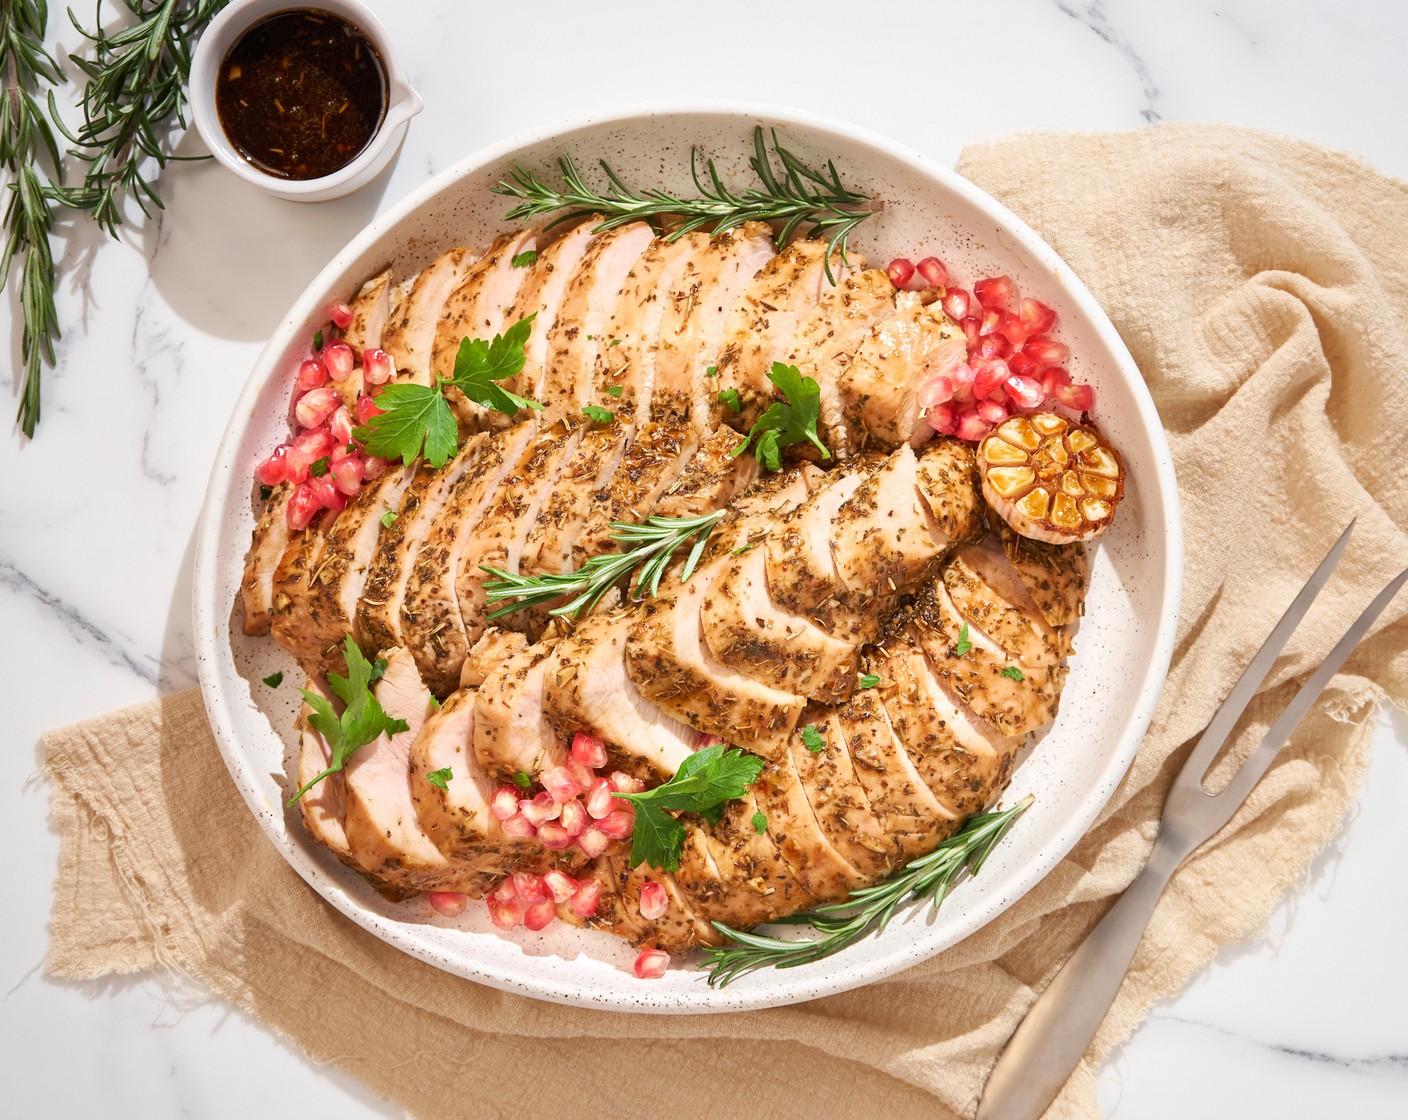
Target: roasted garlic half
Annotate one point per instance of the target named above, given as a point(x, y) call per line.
point(1050, 478)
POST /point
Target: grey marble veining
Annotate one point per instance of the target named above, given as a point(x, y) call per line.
point(162, 326)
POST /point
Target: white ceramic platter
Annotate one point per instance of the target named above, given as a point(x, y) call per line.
point(1123, 647)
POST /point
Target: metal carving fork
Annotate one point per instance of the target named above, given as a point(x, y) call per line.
point(1051, 1039)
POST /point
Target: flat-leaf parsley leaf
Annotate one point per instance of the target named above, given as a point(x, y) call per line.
point(273, 680)
point(524, 259)
point(786, 422)
point(869, 680)
point(440, 778)
point(964, 645)
point(1012, 673)
point(598, 415)
point(812, 739)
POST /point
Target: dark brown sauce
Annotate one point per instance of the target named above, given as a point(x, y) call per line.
point(301, 94)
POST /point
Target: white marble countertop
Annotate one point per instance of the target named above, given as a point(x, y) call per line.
point(161, 329)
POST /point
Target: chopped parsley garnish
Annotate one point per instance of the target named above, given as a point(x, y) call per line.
point(1012, 673)
point(812, 739)
point(273, 680)
point(318, 467)
point(440, 778)
point(614, 390)
point(760, 822)
point(362, 721)
point(416, 419)
point(523, 781)
point(705, 781)
point(614, 342)
point(741, 549)
point(869, 680)
point(524, 259)
point(964, 645)
point(265, 492)
point(388, 518)
point(729, 397)
point(598, 415)
point(712, 371)
point(317, 340)
point(786, 422)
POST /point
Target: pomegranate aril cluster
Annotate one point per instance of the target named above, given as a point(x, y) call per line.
point(332, 394)
point(1012, 366)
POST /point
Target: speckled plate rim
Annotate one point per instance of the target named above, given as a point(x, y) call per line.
point(793, 985)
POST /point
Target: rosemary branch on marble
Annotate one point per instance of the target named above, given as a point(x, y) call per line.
point(869, 909)
point(26, 140)
point(136, 88)
point(653, 542)
point(798, 195)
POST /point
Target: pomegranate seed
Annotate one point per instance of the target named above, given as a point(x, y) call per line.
point(624, 783)
point(340, 426)
point(519, 827)
point(1026, 394)
point(653, 901)
point(1019, 362)
point(970, 327)
point(994, 293)
point(935, 391)
point(707, 739)
point(962, 376)
point(505, 803)
point(991, 321)
point(314, 443)
point(1078, 398)
point(560, 783)
point(992, 411)
point(971, 427)
point(540, 915)
point(989, 376)
point(367, 408)
point(528, 887)
point(274, 469)
point(374, 468)
point(448, 904)
point(993, 346)
point(506, 891)
point(1053, 378)
point(1036, 317)
point(303, 506)
point(328, 495)
point(617, 825)
point(504, 915)
point(540, 809)
point(593, 842)
point(900, 270)
point(1045, 351)
point(933, 271)
point(377, 367)
point(1013, 329)
point(337, 357)
point(575, 818)
point(588, 750)
point(652, 963)
point(312, 374)
point(316, 406)
point(560, 885)
point(340, 314)
point(599, 801)
point(958, 304)
point(553, 835)
point(943, 418)
point(585, 898)
point(346, 475)
point(584, 776)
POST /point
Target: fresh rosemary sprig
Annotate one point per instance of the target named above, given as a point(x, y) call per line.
point(798, 196)
point(655, 541)
point(136, 87)
point(869, 909)
point(25, 136)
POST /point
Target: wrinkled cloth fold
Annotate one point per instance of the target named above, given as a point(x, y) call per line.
point(1261, 284)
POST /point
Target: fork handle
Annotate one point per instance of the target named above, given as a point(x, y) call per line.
point(1056, 1032)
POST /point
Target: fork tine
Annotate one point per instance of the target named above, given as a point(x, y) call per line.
point(1270, 746)
point(1225, 718)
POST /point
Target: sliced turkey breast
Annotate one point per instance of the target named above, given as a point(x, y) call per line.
point(289, 622)
point(266, 549)
point(801, 570)
point(494, 647)
point(322, 807)
point(371, 309)
point(633, 331)
point(512, 734)
point(348, 547)
point(430, 615)
point(619, 907)
point(587, 689)
point(692, 329)
point(561, 518)
point(409, 337)
point(576, 340)
point(947, 476)
point(1009, 617)
point(880, 385)
point(1055, 575)
point(763, 324)
point(712, 478)
point(389, 572)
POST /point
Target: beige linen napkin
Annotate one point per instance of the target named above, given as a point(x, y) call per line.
point(1262, 285)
